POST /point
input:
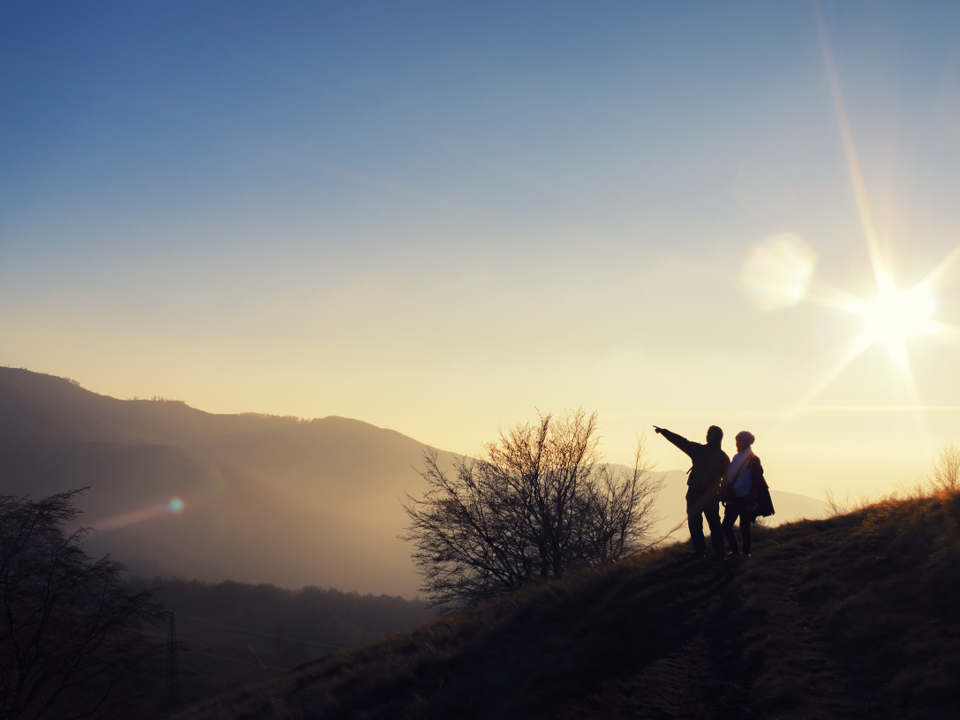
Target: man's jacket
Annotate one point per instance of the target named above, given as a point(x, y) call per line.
point(709, 463)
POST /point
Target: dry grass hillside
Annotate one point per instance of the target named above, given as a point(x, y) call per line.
point(848, 617)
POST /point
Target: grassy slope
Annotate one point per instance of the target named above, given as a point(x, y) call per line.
point(853, 616)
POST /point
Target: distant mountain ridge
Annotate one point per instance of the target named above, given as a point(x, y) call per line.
point(266, 499)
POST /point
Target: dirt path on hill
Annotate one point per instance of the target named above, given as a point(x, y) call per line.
point(727, 640)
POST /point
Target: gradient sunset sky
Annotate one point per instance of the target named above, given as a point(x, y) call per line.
point(438, 217)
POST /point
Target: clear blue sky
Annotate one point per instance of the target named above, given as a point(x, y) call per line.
point(439, 216)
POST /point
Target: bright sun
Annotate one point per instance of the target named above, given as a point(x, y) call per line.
point(892, 317)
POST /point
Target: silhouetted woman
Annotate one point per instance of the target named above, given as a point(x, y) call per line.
point(743, 486)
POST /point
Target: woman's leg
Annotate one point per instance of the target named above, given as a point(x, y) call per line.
point(729, 518)
point(746, 520)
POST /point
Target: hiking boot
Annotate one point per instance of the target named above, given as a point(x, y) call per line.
point(744, 556)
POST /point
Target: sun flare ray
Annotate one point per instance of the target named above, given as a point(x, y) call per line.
point(948, 334)
point(893, 316)
point(849, 149)
point(940, 270)
point(821, 385)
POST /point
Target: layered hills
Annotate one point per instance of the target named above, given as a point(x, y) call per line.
point(251, 498)
point(264, 499)
point(847, 617)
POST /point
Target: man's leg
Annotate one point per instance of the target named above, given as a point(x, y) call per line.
point(711, 510)
point(729, 518)
point(695, 523)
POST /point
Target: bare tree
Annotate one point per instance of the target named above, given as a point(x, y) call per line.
point(71, 644)
point(946, 469)
point(540, 501)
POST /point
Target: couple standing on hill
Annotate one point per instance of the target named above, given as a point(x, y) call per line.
point(714, 477)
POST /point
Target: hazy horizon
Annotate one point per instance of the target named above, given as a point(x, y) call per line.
point(437, 219)
point(173, 490)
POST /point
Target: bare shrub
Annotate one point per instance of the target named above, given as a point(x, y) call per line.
point(946, 470)
point(848, 504)
point(71, 644)
point(539, 502)
point(836, 507)
point(915, 489)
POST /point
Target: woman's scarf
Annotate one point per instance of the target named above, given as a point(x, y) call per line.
point(738, 463)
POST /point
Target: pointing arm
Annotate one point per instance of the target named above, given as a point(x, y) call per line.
point(690, 448)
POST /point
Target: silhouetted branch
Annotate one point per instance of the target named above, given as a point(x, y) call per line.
point(70, 634)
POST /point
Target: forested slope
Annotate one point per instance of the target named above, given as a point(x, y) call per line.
point(232, 633)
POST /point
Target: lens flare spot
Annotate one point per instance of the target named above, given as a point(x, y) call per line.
point(777, 272)
point(154, 512)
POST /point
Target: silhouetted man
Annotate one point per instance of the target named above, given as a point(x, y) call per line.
point(703, 486)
